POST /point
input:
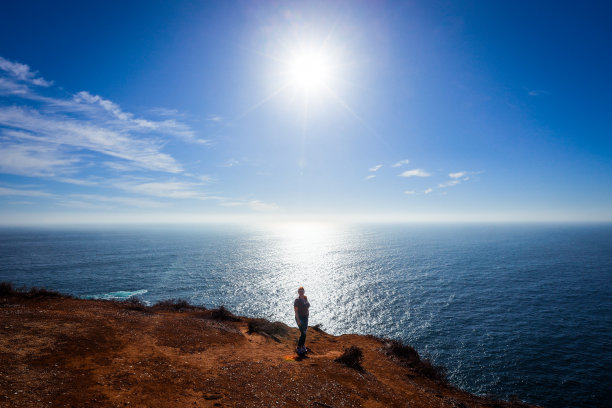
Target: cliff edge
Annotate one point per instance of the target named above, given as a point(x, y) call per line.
point(59, 351)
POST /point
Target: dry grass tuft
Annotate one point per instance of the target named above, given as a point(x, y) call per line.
point(319, 328)
point(134, 303)
point(409, 357)
point(352, 358)
point(7, 290)
point(223, 314)
point(274, 330)
point(174, 305)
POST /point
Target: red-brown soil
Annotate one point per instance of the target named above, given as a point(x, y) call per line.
point(66, 352)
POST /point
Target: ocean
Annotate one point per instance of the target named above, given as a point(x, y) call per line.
point(508, 309)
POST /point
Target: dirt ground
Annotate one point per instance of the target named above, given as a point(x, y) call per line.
point(64, 352)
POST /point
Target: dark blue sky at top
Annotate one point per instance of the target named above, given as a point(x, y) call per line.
point(514, 94)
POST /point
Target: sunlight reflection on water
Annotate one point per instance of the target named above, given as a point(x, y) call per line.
point(335, 266)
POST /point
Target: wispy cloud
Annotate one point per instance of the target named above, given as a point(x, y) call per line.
point(458, 174)
point(429, 190)
point(45, 136)
point(35, 159)
point(375, 168)
point(128, 121)
point(537, 92)
point(255, 205)
point(231, 163)
point(457, 178)
point(401, 163)
point(159, 111)
point(22, 72)
point(204, 178)
point(68, 137)
point(415, 173)
point(90, 142)
point(122, 201)
point(214, 118)
point(260, 206)
point(6, 191)
point(79, 182)
point(449, 183)
point(370, 177)
point(410, 192)
point(164, 189)
point(231, 203)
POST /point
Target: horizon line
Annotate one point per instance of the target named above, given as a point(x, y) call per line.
point(152, 219)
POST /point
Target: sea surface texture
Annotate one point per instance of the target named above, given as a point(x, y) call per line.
point(519, 310)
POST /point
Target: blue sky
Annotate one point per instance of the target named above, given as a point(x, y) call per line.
point(421, 111)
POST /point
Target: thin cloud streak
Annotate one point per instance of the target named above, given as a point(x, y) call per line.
point(260, 206)
point(6, 191)
point(81, 136)
point(35, 160)
point(401, 163)
point(165, 189)
point(450, 183)
point(415, 173)
point(22, 72)
point(129, 201)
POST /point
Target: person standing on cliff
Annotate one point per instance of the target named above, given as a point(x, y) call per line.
point(300, 306)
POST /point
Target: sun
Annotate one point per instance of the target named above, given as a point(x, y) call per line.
point(310, 71)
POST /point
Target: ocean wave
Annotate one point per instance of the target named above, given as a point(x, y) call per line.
point(118, 295)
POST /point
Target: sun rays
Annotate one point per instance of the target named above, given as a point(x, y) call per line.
point(308, 75)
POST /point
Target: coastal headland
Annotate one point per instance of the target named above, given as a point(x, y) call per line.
point(59, 351)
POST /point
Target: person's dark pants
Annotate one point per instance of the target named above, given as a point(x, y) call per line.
point(303, 328)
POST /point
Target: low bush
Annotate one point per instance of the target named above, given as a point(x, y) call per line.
point(515, 401)
point(222, 313)
point(434, 372)
point(317, 327)
point(409, 357)
point(176, 305)
point(273, 330)
point(6, 289)
point(405, 353)
point(134, 303)
point(352, 358)
point(36, 292)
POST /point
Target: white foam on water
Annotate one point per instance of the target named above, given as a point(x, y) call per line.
point(118, 295)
